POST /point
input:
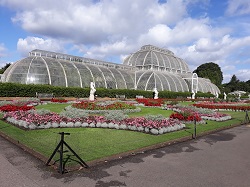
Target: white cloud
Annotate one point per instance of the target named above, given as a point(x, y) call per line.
point(2, 50)
point(238, 7)
point(209, 49)
point(3, 54)
point(90, 23)
point(226, 52)
point(243, 74)
point(24, 46)
point(111, 29)
point(228, 68)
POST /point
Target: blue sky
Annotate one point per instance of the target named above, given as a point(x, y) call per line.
point(199, 31)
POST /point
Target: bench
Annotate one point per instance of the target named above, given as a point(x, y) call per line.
point(121, 97)
point(139, 97)
point(44, 96)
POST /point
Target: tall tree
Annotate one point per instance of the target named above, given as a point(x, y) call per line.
point(4, 68)
point(210, 71)
point(235, 84)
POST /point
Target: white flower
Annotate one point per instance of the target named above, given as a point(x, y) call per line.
point(172, 129)
point(32, 126)
point(20, 123)
point(116, 126)
point(55, 125)
point(111, 125)
point(183, 125)
point(161, 131)
point(154, 131)
point(98, 124)
point(41, 126)
point(133, 128)
point(77, 124)
point(70, 124)
point(47, 126)
point(123, 126)
point(85, 124)
point(91, 125)
point(63, 124)
point(104, 125)
point(140, 128)
point(146, 129)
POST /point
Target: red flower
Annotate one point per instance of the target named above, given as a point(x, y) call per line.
point(9, 108)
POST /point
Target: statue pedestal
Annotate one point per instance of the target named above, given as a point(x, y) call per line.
point(91, 97)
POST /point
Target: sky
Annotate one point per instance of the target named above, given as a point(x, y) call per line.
point(198, 31)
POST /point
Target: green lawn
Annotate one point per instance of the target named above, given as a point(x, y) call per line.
point(151, 111)
point(94, 143)
point(53, 107)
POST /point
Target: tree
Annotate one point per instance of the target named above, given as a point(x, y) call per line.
point(4, 68)
point(235, 84)
point(210, 71)
point(234, 80)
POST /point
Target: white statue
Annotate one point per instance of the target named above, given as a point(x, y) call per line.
point(193, 94)
point(225, 96)
point(155, 93)
point(216, 95)
point(92, 91)
point(239, 96)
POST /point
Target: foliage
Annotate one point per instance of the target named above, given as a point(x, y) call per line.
point(71, 112)
point(173, 95)
point(235, 84)
point(203, 95)
point(154, 117)
point(8, 108)
point(183, 117)
point(58, 100)
point(32, 120)
point(150, 102)
point(190, 113)
point(115, 115)
point(223, 106)
point(210, 71)
point(4, 68)
point(86, 105)
point(30, 90)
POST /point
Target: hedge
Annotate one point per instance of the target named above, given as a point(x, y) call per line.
point(29, 90)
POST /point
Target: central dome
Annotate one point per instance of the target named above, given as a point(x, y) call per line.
point(155, 58)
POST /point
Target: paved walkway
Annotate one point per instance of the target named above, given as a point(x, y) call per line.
point(220, 159)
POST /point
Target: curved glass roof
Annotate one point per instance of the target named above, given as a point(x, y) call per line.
point(148, 80)
point(151, 57)
point(150, 67)
point(59, 72)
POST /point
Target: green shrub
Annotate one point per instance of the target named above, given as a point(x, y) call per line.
point(30, 90)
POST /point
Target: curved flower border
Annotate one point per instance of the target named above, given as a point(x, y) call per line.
point(204, 114)
point(32, 120)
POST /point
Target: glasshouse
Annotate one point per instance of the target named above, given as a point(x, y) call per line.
point(148, 68)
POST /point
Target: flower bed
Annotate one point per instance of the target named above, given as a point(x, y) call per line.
point(9, 107)
point(186, 118)
point(22, 102)
point(223, 106)
point(77, 110)
point(86, 105)
point(58, 100)
point(190, 112)
point(36, 119)
point(150, 102)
